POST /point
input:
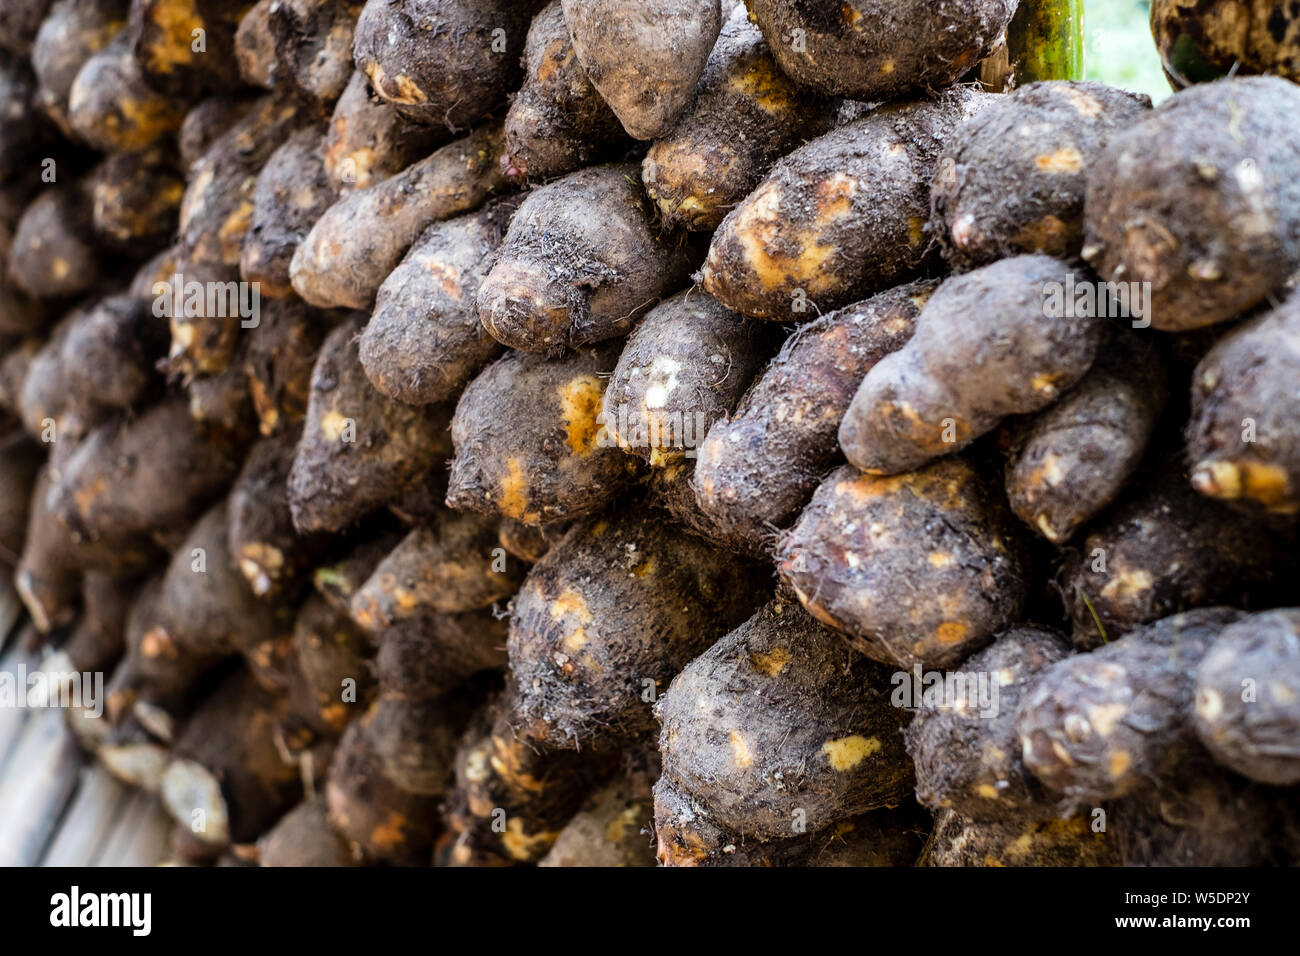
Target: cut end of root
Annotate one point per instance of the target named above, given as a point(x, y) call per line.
point(193, 797)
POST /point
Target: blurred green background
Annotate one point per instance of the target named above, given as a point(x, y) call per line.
point(1118, 48)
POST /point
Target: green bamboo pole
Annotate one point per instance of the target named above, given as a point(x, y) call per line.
point(1044, 42)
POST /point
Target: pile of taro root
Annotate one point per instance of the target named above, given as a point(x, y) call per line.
point(482, 432)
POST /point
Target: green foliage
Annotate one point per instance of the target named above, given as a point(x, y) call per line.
point(1118, 48)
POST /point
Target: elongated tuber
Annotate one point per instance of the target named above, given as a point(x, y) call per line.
point(988, 344)
point(840, 218)
point(758, 467)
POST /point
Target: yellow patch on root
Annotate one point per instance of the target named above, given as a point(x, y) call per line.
point(741, 755)
point(845, 753)
point(1064, 161)
point(580, 401)
point(770, 662)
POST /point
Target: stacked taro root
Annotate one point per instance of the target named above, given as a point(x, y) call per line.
point(664, 431)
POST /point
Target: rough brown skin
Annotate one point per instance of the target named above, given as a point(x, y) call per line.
point(72, 32)
point(217, 210)
point(1241, 441)
point(871, 51)
point(684, 367)
point(359, 449)
point(369, 140)
point(600, 626)
point(20, 314)
point(424, 342)
point(313, 45)
point(42, 396)
point(613, 826)
point(339, 581)
point(780, 726)
point(332, 651)
point(745, 115)
point(1068, 463)
point(965, 747)
point(304, 837)
point(111, 107)
point(511, 798)
point(46, 574)
point(52, 255)
point(443, 61)
point(292, 193)
point(227, 779)
point(171, 57)
point(1233, 234)
point(453, 564)
point(758, 468)
point(432, 654)
point(525, 541)
point(922, 568)
point(415, 738)
point(158, 676)
point(270, 554)
point(557, 122)
point(205, 341)
point(360, 239)
point(222, 402)
point(840, 218)
point(1098, 726)
point(669, 489)
point(19, 22)
point(1018, 841)
point(686, 835)
point(646, 58)
point(14, 367)
point(278, 360)
point(1200, 816)
point(1201, 41)
point(255, 46)
point(147, 474)
point(136, 198)
point(381, 821)
point(1012, 178)
point(110, 354)
point(986, 346)
point(20, 462)
point(1248, 698)
point(548, 464)
point(207, 122)
point(581, 263)
point(99, 638)
point(23, 130)
point(1163, 550)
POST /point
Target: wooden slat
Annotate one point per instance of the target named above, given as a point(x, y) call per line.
point(141, 835)
point(14, 719)
point(100, 801)
point(39, 778)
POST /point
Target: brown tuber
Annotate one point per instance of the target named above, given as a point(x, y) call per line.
point(988, 344)
point(1100, 725)
point(780, 728)
point(359, 449)
point(918, 569)
point(758, 467)
point(840, 218)
point(1012, 178)
point(1248, 698)
point(1201, 200)
point(581, 263)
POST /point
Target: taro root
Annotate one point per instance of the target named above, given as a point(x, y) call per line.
point(1200, 199)
point(922, 568)
point(1012, 178)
